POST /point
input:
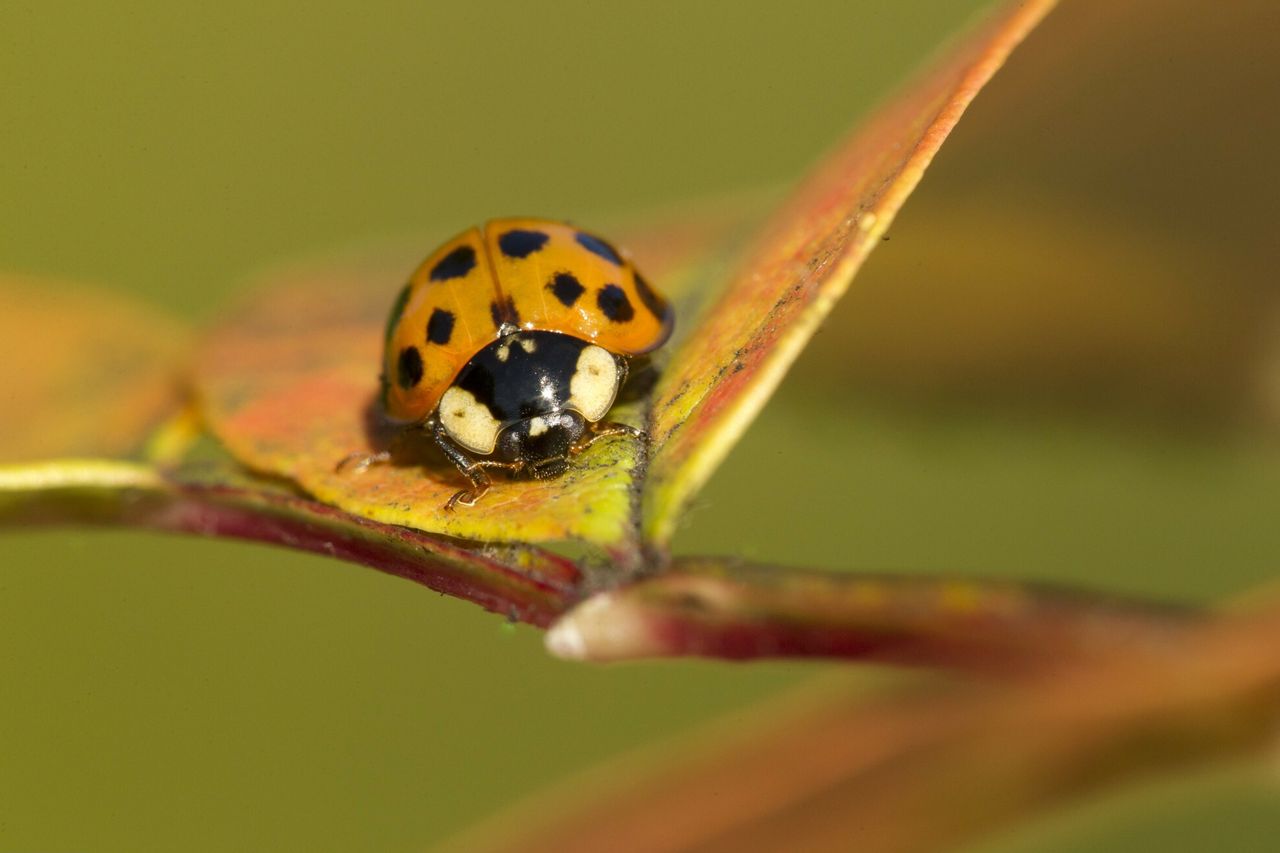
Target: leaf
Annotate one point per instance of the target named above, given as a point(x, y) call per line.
point(1123, 320)
point(729, 609)
point(1062, 129)
point(1053, 257)
point(801, 263)
point(289, 384)
point(94, 374)
point(930, 767)
point(85, 372)
point(209, 497)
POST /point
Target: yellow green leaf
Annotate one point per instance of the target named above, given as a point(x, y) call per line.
point(211, 496)
point(801, 263)
point(85, 372)
point(289, 383)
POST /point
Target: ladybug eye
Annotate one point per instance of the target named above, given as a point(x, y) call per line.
point(468, 421)
point(594, 383)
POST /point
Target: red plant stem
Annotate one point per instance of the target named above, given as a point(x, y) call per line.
point(538, 591)
point(711, 607)
point(929, 766)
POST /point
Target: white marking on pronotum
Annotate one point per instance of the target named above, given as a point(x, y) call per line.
point(468, 421)
point(529, 345)
point(594, 383)
point(537, 426)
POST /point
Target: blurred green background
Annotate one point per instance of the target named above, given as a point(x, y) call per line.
point(174, 694)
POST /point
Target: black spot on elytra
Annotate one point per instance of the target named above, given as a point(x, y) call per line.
point(456, 264)
point(614, 303)
point(440, 326)
point(521, 244)
point(504, 312)
point(566, 287)
point(598, 247)
point(657, 306)
point(397, 310)
point(409, 368)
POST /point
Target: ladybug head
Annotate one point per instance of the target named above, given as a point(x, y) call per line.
point(543, 442)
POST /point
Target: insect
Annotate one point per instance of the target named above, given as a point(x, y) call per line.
point(509, 345)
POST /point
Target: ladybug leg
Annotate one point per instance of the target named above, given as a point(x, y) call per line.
point(475, 473)
point(604, 429)
point(480, 482)
point(359, 462)
point(472, 469)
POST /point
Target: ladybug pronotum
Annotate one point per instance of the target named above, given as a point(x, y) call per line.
point(509, 345)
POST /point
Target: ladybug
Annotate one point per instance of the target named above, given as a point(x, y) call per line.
point(509, 345)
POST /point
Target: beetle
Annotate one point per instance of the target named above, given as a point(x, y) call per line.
point(509, 345)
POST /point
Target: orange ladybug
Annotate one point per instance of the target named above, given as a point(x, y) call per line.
point(509, 345)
